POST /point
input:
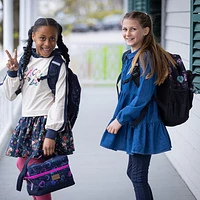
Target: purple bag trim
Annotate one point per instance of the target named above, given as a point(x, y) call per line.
point(47, 172)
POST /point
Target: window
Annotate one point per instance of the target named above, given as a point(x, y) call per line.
point(152, 7)
point(139, 5)
point(195, 40)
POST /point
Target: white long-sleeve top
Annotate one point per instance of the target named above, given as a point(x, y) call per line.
point(37, 97)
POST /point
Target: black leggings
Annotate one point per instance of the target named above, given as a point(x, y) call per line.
point(137, 171)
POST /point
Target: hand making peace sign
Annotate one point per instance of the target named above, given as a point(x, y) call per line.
point(12, 63)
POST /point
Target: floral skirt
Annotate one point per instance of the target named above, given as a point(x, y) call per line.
point(29, 135)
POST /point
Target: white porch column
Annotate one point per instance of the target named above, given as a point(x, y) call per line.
point(125, 6)
point(28, 15)
point(8, 42)
point(22, 21)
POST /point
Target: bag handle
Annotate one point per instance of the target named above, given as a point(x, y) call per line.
point(24, 171)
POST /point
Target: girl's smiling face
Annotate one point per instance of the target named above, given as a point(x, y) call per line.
point(45, 39)
point(133, 33)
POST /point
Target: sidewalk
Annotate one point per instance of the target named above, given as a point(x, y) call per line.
point(100, 174)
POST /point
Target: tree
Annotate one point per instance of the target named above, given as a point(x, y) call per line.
point(85, 8)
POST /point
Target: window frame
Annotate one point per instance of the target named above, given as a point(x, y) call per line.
point(195, 41)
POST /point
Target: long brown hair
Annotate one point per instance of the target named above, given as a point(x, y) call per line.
point(158, 58)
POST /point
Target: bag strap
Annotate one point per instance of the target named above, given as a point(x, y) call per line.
point(142, 114)
point(135, 76)
point(54, 67)
point(23, 172)
point(118, 79)
point(159, 103)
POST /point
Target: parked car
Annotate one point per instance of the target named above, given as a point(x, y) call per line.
point(94, 24)
point(112, 22)
point(89, 24)
point(80, 27)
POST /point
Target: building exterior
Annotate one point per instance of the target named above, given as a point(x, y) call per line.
point(181, 28)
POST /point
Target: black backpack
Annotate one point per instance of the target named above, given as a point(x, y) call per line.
point(174, 97)
point(74, 88)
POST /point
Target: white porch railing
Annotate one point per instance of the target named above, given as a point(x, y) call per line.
point(10, 112)
point(96, 63)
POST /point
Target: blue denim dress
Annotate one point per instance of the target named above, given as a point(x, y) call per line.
point(150, 136)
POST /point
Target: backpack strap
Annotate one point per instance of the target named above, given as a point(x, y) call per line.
point(142, 114)
point(159, 103)
point(119, 77)
point(1, 83)
point(20, 73)
point(53, 72)
point(135, 76)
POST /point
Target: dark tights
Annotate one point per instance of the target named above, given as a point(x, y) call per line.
point(137, 171)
